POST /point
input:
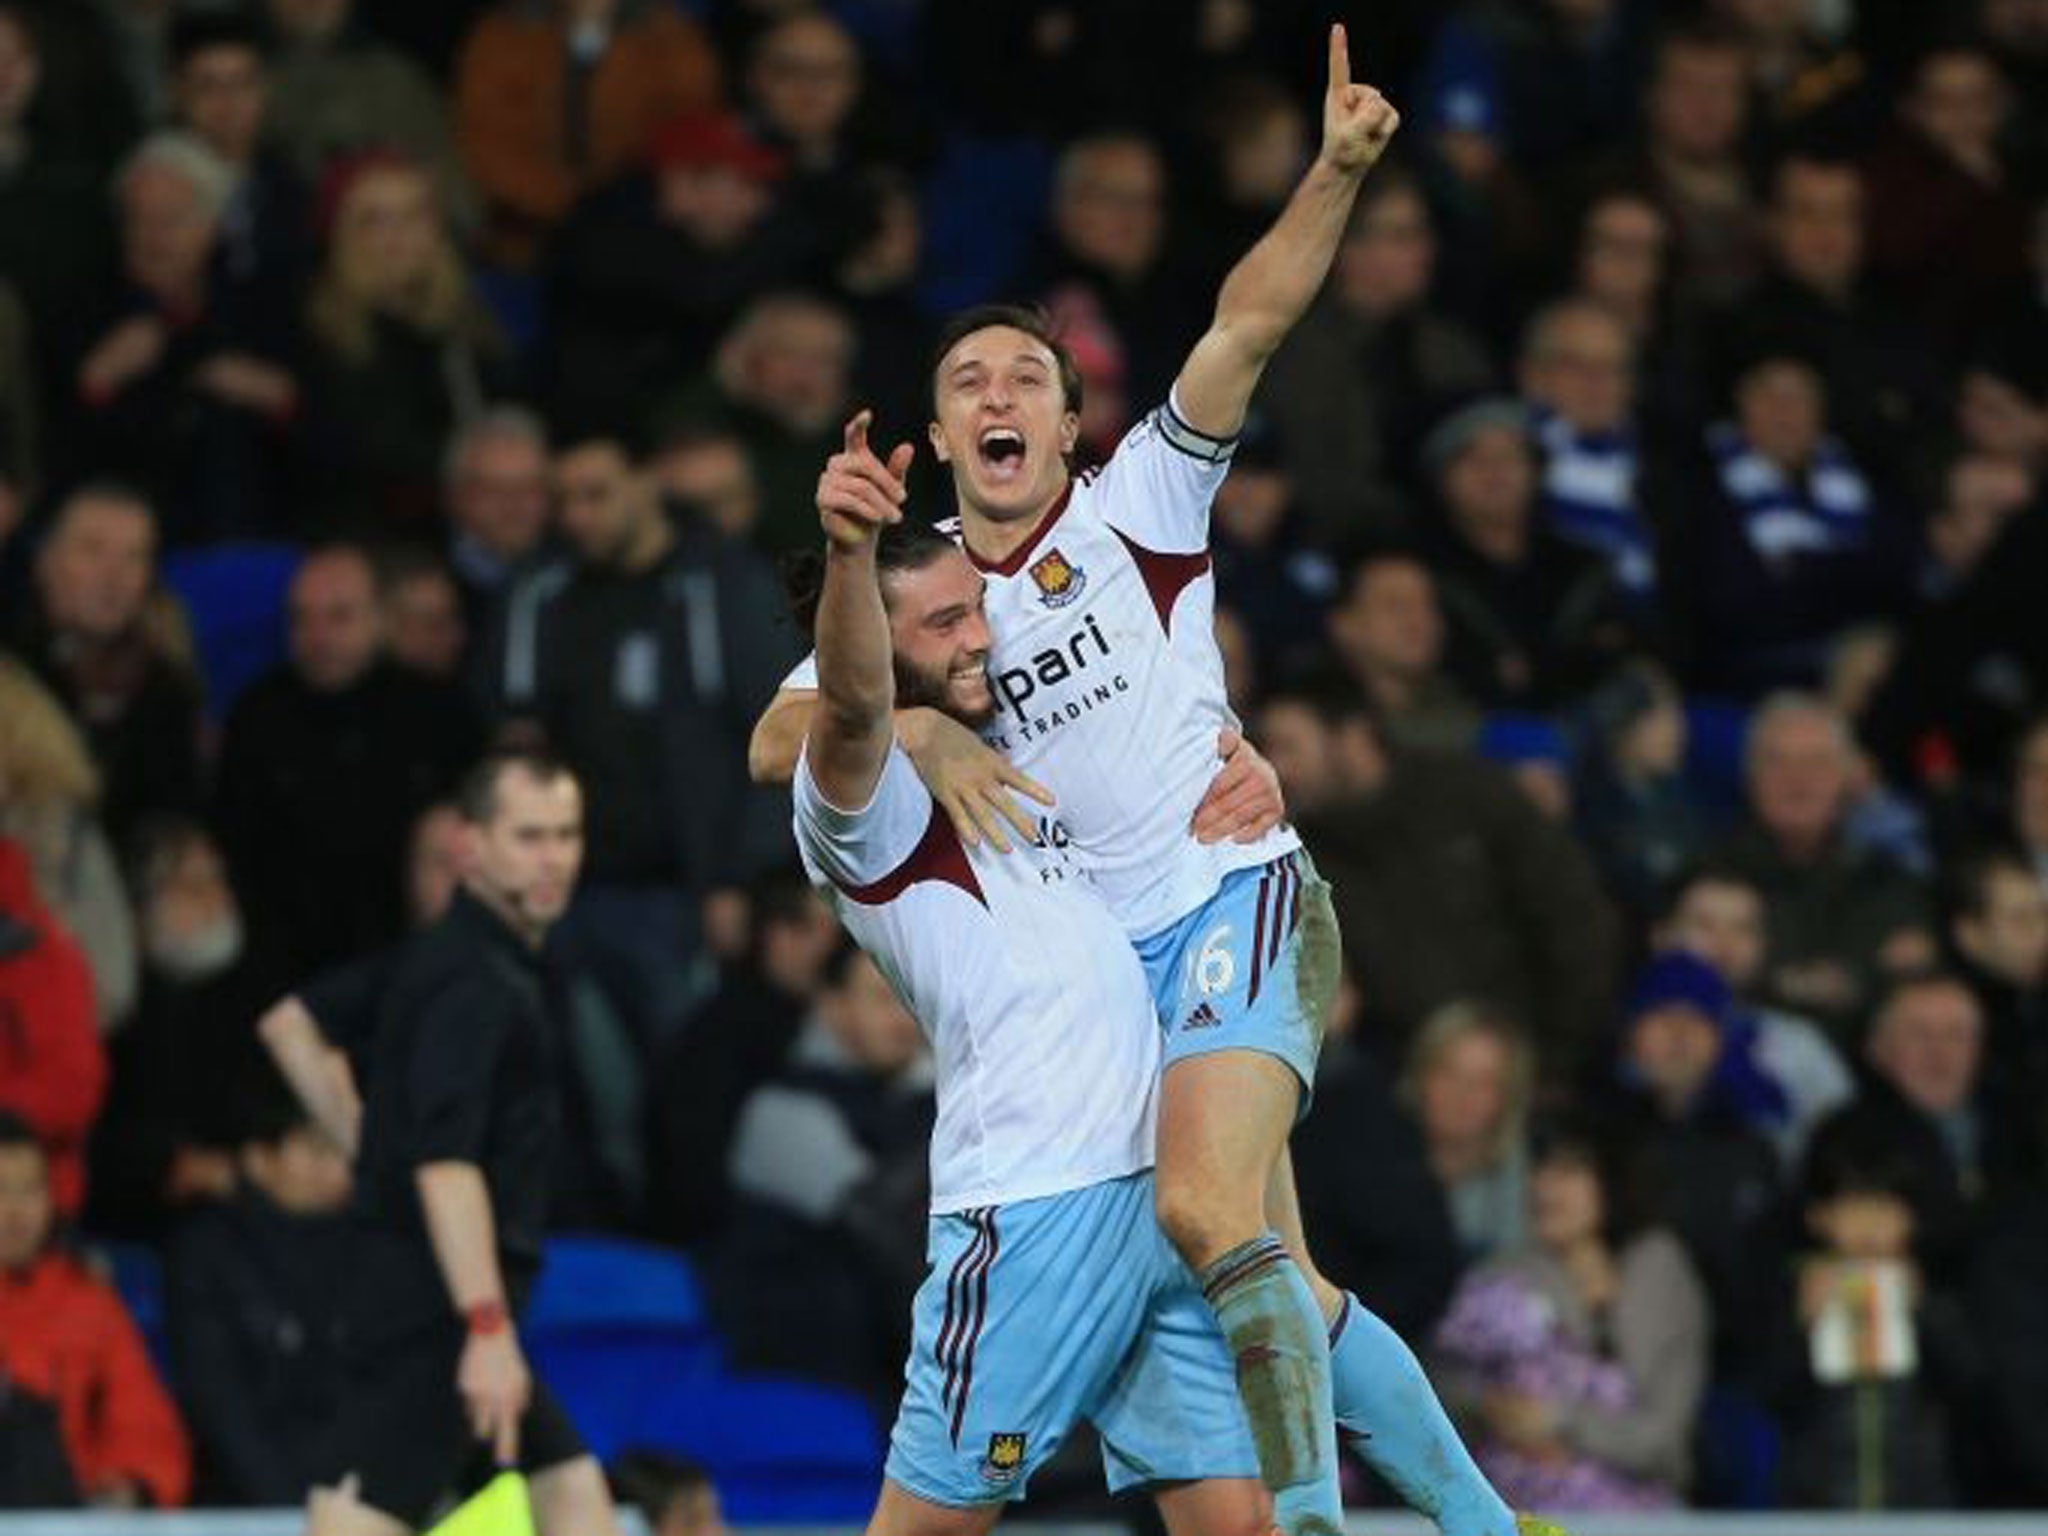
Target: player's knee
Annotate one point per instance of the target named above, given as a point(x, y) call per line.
point(1199, 1220)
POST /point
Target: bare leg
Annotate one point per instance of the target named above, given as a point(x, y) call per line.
point(338, 1512)
point(1223, 1124)
point(573, 1500)
point(1217, 1506)
point(901, 1513)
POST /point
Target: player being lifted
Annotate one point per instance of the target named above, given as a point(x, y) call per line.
point(1109, 689)
point(1052, 1295)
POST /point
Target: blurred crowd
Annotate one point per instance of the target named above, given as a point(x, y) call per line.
point(1631, 567)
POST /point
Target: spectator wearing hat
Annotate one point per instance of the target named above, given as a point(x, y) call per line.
point(1717, 914)
point(1529, 618)
point(652, 271)
point(1688, 1077)
point(1789, 540)
point(401, 351)
point(1354, 387)
point(554, 98)
point(187, 390)
point(1634, 809)
point(220, 82)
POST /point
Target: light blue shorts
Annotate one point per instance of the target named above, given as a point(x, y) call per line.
point(1253, 968)
point(1041, 1314)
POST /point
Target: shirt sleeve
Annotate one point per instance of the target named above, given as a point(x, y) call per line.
point(870, 842)
point(1159, 483)
point(452, 1058)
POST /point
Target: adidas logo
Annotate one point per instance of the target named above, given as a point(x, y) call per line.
point(1203, 1017)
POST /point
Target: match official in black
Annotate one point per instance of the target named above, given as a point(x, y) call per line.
point(461, 1125)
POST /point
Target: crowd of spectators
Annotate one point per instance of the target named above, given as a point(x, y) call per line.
point(1631, 567)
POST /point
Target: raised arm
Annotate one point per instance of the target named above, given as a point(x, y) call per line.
point(1272, 286)
point(853, 725)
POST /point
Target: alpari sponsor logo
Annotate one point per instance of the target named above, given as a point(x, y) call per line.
point(1084, 650)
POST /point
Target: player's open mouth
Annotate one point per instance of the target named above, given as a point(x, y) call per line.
point(1002, 452)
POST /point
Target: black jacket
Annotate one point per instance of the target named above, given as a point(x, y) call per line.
point(258, 1327)
point(665, 778)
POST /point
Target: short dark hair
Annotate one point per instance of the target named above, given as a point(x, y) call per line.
point(1852, 1155)
point(1703, 872)
point(477, 795)
point(1031, 320)
point(193, 32)
point(1330, 696)
point(651, 1480)
point(1616, 1155)
point(16, 1132)
point(910, 545)
point(398, 565)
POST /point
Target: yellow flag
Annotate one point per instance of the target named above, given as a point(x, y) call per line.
point(499, 1508)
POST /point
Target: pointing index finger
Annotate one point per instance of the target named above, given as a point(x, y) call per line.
point(1340, 58)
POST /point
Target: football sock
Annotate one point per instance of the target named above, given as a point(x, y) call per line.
point(1277, 1338)
point(1383, 1397)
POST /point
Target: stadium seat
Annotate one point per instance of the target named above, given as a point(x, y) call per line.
point(136, 1272)
point(235, 598)
point(605, 1282)
point(781, 1451)
point(982, 210)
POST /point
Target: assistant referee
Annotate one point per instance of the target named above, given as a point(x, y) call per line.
point(461, 1126)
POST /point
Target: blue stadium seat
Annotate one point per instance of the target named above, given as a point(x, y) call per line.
point(137, 1273)
point(780, 1450)
point(235, 596)
point(609, 1323)
point(983, 206)
point(605, 1282)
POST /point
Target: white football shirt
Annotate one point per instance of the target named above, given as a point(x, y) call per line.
point(1038, 1014)
point(1107, 676)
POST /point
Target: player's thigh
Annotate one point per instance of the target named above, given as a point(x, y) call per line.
point(1233, 1506)
point(1019, 1327)
point(899, 1512)
point(571, 1498)
point(1224, 1119)
point(1252, 969)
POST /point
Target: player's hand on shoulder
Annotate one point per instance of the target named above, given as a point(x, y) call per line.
point(1358, 122)
point(859, 494)
point(975, 785)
